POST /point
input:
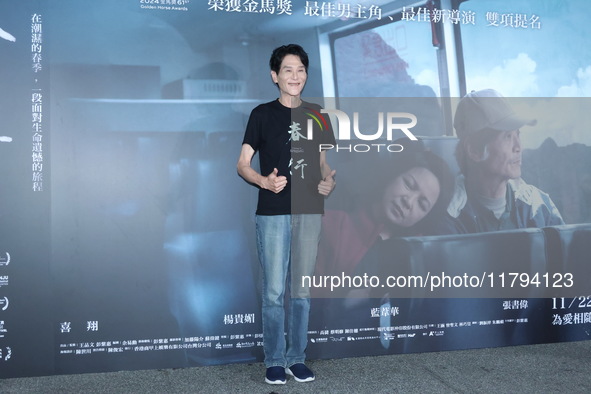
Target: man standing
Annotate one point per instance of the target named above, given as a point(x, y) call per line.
point(289, 209)
point(490, 194)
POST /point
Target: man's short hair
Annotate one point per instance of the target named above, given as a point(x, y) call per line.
point(279, 54)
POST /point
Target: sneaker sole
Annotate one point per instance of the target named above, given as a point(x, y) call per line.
point(275, 381)
point(310, 379)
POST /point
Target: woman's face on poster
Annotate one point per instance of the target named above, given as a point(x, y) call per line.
point(410, 196)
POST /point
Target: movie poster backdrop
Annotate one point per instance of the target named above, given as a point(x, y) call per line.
point(127, 237)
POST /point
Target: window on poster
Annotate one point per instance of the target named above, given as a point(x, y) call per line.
point(536, 53)
point(533, 48)
point(392, 60)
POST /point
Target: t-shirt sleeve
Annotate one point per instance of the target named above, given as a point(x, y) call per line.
point(252, 135)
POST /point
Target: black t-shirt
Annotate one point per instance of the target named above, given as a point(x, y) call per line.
point(283, 140)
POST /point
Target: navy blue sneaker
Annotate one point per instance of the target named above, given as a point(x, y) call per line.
point(300, 373)
point(275, 375)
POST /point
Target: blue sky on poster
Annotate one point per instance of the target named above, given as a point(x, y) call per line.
point(553, 61)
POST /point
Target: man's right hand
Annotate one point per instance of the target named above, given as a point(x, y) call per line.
point(274, 183)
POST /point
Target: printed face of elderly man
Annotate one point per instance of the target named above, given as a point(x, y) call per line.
point(489, 151)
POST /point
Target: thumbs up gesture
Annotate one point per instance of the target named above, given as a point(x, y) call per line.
point(274, 183)
point(327, 184)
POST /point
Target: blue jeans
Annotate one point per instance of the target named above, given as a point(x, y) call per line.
point(287, 247)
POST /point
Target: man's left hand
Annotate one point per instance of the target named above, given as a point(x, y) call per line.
point(327, 184)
